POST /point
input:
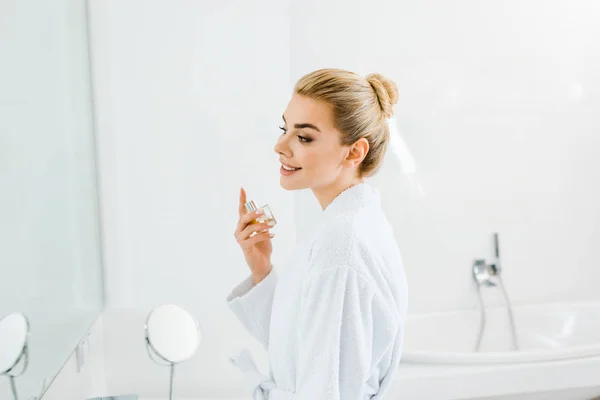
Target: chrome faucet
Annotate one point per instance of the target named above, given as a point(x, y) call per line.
point(488, 274)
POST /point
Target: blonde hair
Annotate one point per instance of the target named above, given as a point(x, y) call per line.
point(361, 107)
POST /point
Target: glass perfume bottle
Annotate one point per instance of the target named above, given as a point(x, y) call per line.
point(266, 217)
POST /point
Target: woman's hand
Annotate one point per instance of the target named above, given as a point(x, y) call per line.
point(258, 248)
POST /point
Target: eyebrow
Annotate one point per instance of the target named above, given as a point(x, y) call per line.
point(305, 125)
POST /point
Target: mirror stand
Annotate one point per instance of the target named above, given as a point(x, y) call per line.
point(14, 358)
point(21, 363)
point(160, 360)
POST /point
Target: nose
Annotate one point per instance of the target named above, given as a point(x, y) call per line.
point(281, 147)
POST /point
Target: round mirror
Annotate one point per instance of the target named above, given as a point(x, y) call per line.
point(14, 333)
point(172, 333)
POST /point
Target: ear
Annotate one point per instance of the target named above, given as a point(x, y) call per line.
point(357, 152)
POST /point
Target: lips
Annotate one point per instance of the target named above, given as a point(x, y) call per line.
point(287, 169)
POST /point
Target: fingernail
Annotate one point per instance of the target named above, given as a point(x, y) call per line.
point(271, 234)
point(258, 212)
point(271, 223)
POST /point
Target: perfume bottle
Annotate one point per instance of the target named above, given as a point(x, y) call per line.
point(266, 217)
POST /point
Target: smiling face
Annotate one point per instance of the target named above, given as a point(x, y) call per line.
point(311, 152)
point(310, 145)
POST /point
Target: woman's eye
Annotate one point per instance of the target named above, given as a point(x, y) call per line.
point(300, 138)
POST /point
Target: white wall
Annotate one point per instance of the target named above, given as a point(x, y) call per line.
point(498, 105)
point(188, 98)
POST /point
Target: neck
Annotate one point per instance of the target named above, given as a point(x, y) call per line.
point(326, 194)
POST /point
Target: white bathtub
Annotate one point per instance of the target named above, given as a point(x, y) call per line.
point(558, 356)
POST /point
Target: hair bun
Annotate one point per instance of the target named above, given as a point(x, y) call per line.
point(386, 91)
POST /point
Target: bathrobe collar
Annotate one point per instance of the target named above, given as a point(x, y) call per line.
point(352, 199)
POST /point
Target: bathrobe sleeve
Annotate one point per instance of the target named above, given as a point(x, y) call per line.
point(336, 355)
point(252, 305)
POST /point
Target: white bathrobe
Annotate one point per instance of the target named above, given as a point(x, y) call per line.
point(333, 320)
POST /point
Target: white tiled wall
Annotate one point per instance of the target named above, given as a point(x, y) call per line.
point(498, 107)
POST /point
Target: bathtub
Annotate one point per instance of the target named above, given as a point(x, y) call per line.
point(558, 357)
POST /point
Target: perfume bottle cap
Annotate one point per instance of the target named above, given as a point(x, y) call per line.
point(251, 206)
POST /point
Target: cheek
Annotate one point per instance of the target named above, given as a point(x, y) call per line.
point(320, 159)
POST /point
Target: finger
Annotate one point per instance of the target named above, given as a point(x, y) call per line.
point(244, 230)
point(242, 208)
point(261, 237)
point(254, 228)
point(247, 218)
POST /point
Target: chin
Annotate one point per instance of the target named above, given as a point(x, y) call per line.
point(289, 184)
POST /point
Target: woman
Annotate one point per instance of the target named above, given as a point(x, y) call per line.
point(333, 321)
